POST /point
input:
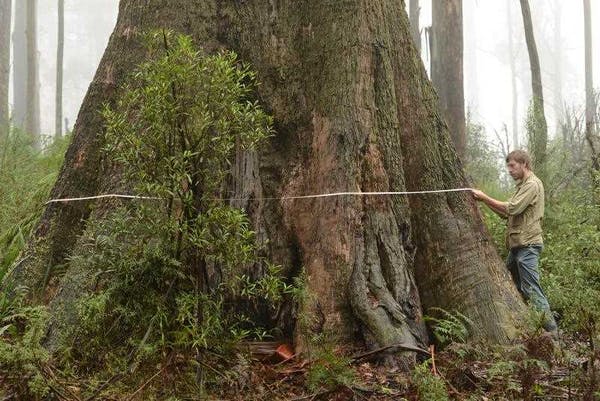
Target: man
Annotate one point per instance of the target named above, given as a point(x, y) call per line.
point(524, 211)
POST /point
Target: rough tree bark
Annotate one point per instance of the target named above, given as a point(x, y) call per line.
point(539, 135)
point(59, 69)
point(590, 104)
point(447, 66)
point(5, 24)
point(415, 29)
point(353, 111)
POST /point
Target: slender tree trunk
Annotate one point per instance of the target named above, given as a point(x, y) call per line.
point(590, 106)
point(5, 23)
point(447, 66)
point(558, 65)
point(25, 87)
point(415, 28)
point(59, 69)
point(19, 64)
point(471, 67)
point(32, 116)
point(513, 78)
point(353, 112)
point(538, 135)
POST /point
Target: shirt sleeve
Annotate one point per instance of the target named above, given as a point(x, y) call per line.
point(525, 197)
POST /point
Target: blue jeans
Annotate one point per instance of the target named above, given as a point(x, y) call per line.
point(523, 265)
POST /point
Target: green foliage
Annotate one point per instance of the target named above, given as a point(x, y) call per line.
point(181, 118)
point(485, 166)
point(330, 371)
point(429, 386)
point(26, 177)
point(570, 260)
point(483, 161)
point(572, 233)
point(22, 357)
point(497, 227)
point(179, 272)
point(537, 137)
point(534, 322)
point(450, 327)
point(502, 369)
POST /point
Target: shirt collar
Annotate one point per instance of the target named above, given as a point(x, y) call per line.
point(521, 182)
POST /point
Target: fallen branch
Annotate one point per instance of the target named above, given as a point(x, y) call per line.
point(50, 373)
point(432, 352)
point(312, 396)
point(402, 346)
point(110, 381)
point(145, 384)
point(374, 390)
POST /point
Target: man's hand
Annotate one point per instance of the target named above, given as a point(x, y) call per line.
point(477, 194)
point(498, 207)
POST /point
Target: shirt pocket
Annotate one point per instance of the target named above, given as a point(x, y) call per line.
point(514, 235)
point(517, 221)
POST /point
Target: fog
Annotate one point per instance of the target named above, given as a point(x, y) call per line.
point(558, 26)
point(487, 75)
point(88, 25)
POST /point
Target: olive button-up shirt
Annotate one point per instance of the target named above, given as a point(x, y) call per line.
point(525, 213)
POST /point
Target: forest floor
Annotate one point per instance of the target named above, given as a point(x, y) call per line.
point(535, 368)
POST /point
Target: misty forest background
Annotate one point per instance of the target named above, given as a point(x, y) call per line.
point(501, 87)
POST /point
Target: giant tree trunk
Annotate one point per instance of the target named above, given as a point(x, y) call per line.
point(590, 106)
point(5, 23)
point(59, 69)
point(447, 66)
point(354, 112)
point(538, 136)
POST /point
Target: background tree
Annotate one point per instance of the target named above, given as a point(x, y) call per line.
point(513, 77)
point(19, 45)
point(59, 68)
point(537, 126)
point(558, 58)
point(5, 24)
point(447, 66)
point(358, 119)
point(471, 24)
point(590, 104)
point(25, 80)
point(32, 116)
point(415, 28)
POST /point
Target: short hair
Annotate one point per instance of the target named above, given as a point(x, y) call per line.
point(520, 156)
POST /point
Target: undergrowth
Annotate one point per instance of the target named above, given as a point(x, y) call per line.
point(26, 177)
point(177, 278)
point(180, 273)
point(569, 266)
